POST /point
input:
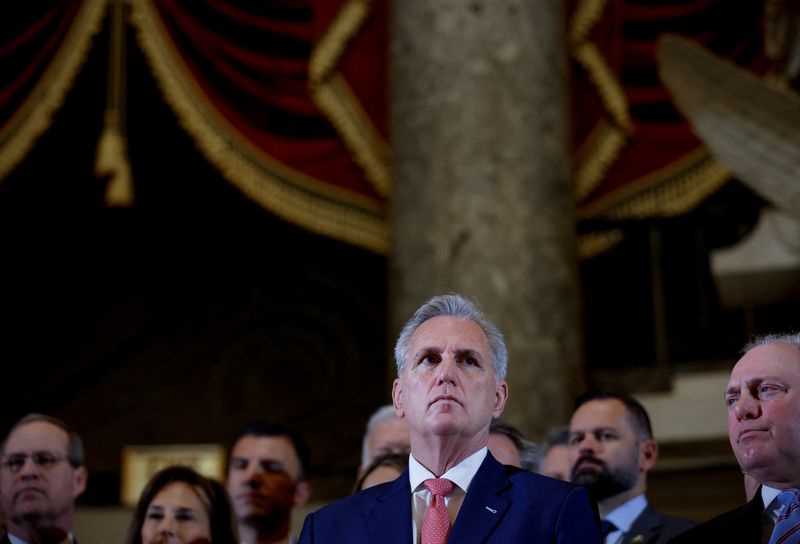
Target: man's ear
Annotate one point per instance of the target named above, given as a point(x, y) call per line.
point(500, 398)
point(648, 454)
point(80, 478)
point(302, 492)
point(397, 391)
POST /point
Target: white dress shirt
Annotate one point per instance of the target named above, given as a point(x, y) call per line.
point(771, 506)
point(623, 517)
point(461, 475)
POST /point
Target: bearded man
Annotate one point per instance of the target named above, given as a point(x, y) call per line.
point(611, 448)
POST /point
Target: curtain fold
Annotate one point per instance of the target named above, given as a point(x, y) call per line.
point(238, 75)
point(43, 45)
point(636, 157)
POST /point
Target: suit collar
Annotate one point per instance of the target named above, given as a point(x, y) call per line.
point(389, 520)
point(483, 506)
point(644, 526)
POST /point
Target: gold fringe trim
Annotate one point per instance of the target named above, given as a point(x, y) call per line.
point(337, 101)
point(291, 195)
point(36, 113)
point(673, 190)
point(595, 243)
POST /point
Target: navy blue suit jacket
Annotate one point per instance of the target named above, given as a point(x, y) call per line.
point(503, 505)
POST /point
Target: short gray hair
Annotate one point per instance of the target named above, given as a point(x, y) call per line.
point(453, 305)
point(384, 413)
point(529, 455)
point(75, 455)
point(793, 339)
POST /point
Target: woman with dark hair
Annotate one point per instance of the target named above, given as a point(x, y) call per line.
point(179, 506)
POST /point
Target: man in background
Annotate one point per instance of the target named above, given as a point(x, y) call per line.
point(763, 400)
point(386, 433)
point(555, 462)
point(510, 447)
point(42, 472)
point(611, 450)
point(266, 481)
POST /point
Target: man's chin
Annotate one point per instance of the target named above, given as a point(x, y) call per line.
point(32, 513)
point(586, 478)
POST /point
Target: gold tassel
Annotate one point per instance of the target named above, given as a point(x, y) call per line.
point(112, 162)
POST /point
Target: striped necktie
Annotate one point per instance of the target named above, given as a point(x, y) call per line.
point(787, 526)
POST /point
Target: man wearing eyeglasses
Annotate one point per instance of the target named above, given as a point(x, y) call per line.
point(42, 472)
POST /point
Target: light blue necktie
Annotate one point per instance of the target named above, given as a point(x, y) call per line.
point(787, 526)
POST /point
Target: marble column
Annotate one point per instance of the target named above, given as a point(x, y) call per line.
point(482, 199)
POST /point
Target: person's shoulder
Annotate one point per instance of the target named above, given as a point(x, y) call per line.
point(732, 522)
point(663, 526)
point(677, 523)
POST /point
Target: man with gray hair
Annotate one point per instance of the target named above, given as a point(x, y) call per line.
point(42, 472)
point(386, 433)
point(508, 445)
point(763, 401)
point(451, 369)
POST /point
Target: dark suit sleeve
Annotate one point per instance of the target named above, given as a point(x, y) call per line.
point(578, 521)
point(307, 533)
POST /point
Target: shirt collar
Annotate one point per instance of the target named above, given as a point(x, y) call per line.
point(461, 474)
point(626, 513)
point(768, 494)
point(15, 540)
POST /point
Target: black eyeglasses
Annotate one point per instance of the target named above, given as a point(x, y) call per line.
point(42, 459)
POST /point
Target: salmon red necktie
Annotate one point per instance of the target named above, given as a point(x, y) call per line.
point(436, 523)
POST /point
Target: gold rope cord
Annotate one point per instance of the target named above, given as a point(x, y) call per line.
point(36, 114)
point(595, 157)
point(290, 194)
point(337, 101)
point(112, 159)
point(603, 148)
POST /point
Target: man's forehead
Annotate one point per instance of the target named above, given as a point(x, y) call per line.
point(768, 360)
point(37, 435)
point(601, 414)
point(440, 331)
point(265, 447)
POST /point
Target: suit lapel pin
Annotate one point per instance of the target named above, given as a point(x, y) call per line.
point(638, 539)
point(492, 510)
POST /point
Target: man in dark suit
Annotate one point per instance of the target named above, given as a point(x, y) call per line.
point(42, 472)
point(451, 367)
point(611, 449)
point(763, 400)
